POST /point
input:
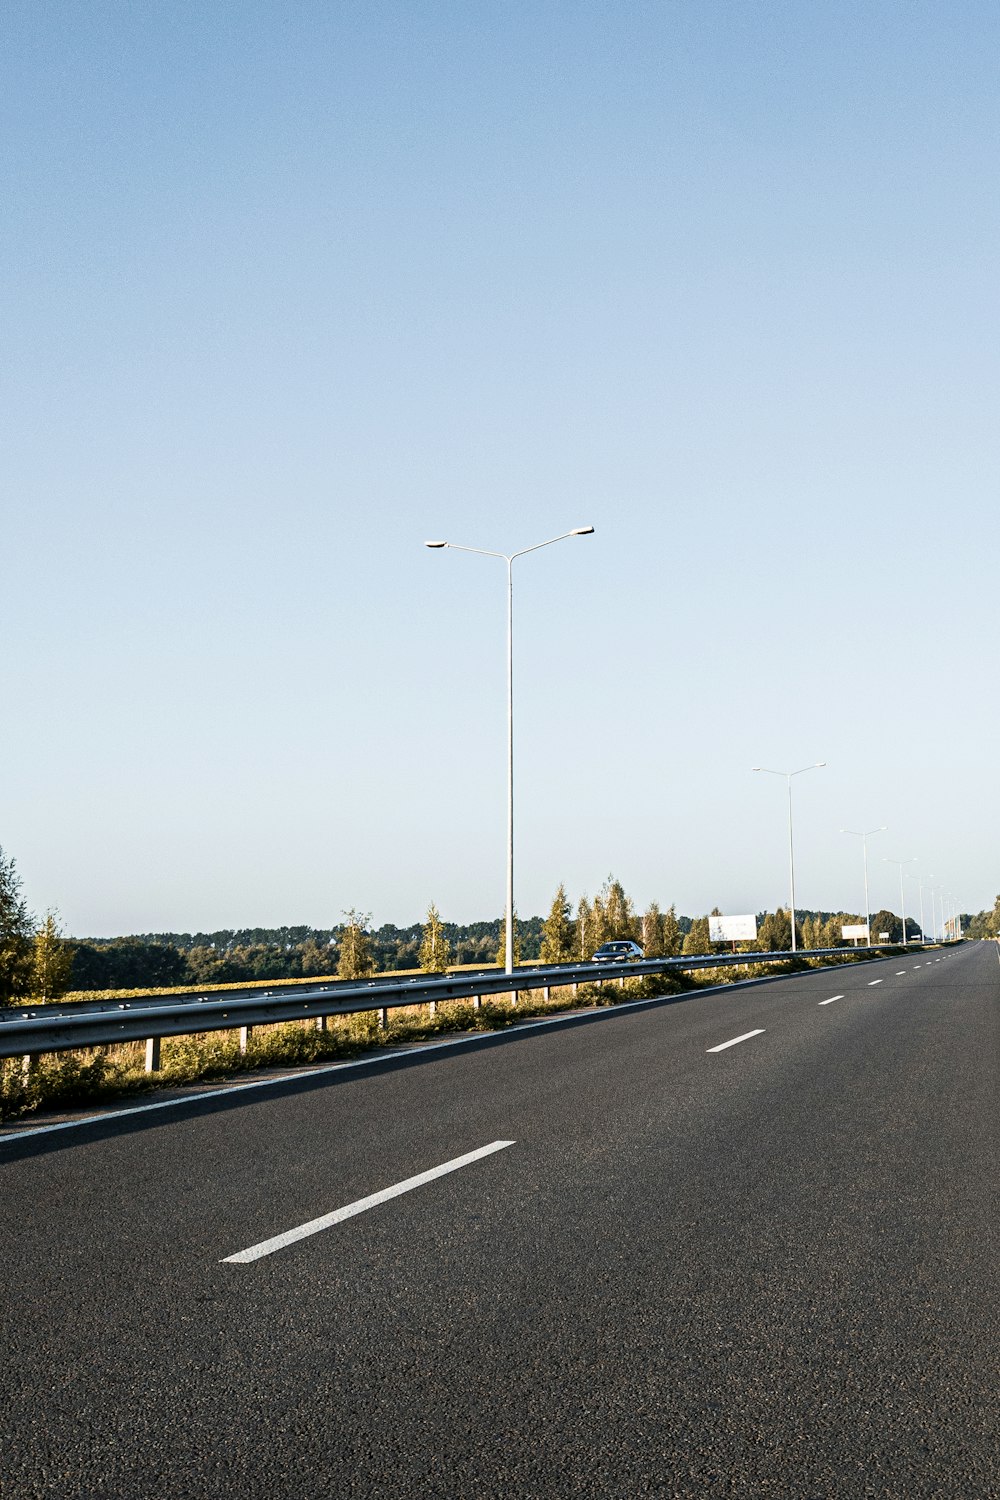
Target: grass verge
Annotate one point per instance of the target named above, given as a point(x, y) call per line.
point(99, 1075)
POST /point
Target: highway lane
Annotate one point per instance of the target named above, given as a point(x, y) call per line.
point(768, 1270)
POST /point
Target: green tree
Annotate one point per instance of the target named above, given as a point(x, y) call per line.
point(435, 949)
point(831, 935)
point(618, 911)
point(696, 940)
point(558, 945)
point(17, 931)
point(886, 921)
point(317, 958)
point(985, 924)
point(812, 933)
point(671, 933)
point(599, 927)
point(652, 932)
point(355, 960)
point(52, 960)
point(585, 944)
point(775, 933)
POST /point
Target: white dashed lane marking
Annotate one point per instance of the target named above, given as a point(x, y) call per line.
point(736, 1039)
point(360, 1206)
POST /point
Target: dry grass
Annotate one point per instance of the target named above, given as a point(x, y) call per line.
point(103, 1074)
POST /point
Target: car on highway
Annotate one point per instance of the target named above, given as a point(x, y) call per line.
point(619, 951)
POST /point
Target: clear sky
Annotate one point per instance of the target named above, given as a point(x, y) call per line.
point(288, 289)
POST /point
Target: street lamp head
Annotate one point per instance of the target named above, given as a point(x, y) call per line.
point(435, 544)
point(582, 531)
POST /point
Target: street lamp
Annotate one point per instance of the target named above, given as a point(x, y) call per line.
point(791, 853)
point(920, 886)
point(509, 560)
point(902, 898)
point(931, 888)
point(864, 837)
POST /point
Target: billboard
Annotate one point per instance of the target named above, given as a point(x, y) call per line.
point(732, 929)
point(857, 930)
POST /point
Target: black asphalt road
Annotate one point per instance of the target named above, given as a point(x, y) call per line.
point(766, 1271)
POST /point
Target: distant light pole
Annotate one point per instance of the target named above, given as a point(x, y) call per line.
point(902, 898)
point(920, 886)
point(938, 891)
point(864, 837)
point(791, 852)
point(508, 558)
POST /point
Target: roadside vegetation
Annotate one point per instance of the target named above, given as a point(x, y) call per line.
point(103, 1075)
point(39, 964)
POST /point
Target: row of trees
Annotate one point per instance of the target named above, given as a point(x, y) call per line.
point(663, 934)
point(37, 961)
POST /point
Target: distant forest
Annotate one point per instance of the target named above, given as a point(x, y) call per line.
point(39, 962)
point(234, 956)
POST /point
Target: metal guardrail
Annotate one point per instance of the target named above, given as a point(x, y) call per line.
point(29, 1030)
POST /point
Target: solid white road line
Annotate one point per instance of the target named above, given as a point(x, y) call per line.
point(279, 1242)
point(873, 981)
point(831, 999)
point(736, 1039)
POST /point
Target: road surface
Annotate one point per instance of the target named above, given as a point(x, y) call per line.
point(737, 1244)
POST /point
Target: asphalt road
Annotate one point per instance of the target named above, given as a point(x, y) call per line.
point(769, 1270)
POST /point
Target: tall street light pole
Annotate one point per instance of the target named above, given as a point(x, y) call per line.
point(791, 850)
point(864, 837)
point(929, 878)
point(920, 887)
point(508, 558)
point(902, 897)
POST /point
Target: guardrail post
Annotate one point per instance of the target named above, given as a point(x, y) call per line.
point(547, 994)
point(432, 1008)
point(245, 1034)
point(152, 1054)
point(29, 1065)
point(477, 1000)
point(321, 1023)
point(576, 988)
point(383, 1017)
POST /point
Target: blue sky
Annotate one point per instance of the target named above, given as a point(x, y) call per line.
point(287, 290)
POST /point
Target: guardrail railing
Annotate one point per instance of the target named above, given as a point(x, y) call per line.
point(27, 1031)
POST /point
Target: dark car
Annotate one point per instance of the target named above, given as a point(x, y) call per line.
point(619, 952)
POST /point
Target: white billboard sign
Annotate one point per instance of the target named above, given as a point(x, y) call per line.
point(857, 930)
point(732, 929)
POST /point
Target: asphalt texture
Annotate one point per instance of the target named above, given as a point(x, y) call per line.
point(765, 1271)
